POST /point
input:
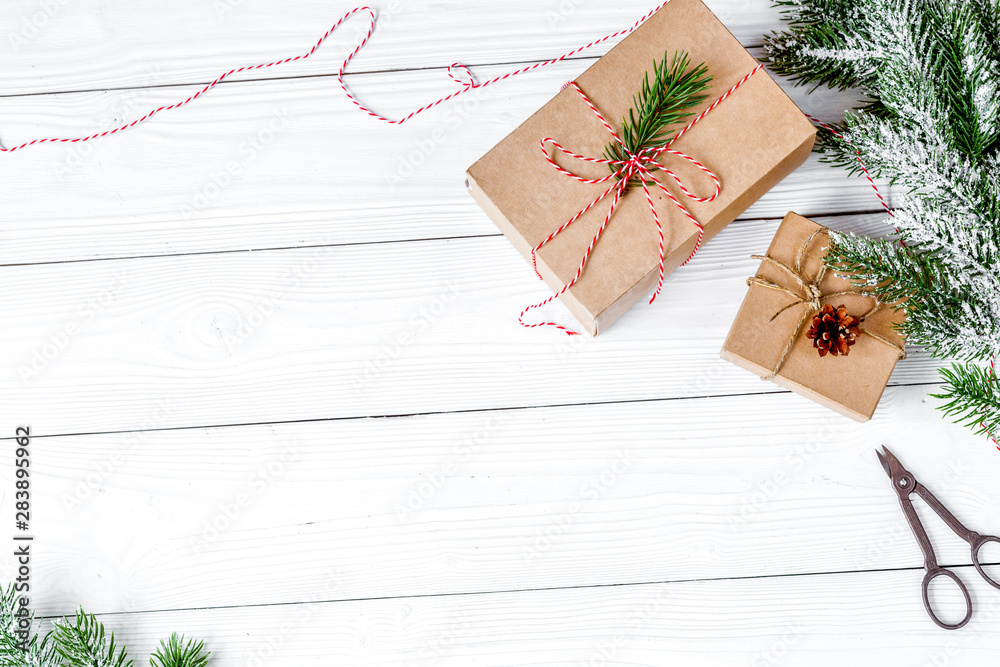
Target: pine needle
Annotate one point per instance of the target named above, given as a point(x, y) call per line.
point(664, 101)
point(83, 641)
point(17, 650)
point(973, 395)
point(931, 72)
point(80, 641)
point(174, 652)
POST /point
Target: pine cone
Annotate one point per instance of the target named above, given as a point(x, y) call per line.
point(834, 331)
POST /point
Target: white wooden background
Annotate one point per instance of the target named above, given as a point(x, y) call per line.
point(198, 326)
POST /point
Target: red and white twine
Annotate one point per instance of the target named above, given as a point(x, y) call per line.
point(639, 165)
point(861, 162)
point(465, 80)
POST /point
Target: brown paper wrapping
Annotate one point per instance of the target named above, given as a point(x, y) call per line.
point(851, 385)
point(751, 141)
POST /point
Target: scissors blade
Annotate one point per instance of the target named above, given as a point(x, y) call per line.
point(884, 462)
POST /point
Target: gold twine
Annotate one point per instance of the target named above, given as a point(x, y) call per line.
point(812, 296)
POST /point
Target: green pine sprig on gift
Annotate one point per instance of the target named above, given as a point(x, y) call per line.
point(80, 641)
point(930, 70)
point(661, 102)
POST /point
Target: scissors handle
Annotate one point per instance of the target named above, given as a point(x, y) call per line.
point(957, 526)
point(976, 540)
point(942, 572)
point(977, 544)
point(906, 485)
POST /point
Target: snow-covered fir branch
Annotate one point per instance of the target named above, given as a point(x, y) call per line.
point(931, 69)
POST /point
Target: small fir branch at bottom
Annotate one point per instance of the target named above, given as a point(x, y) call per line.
point(665, 100)
point(20, 645)
point(80, 641)
point(174, 652)
point(973, 396)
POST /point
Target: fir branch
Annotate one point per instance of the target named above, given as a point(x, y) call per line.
point(21, 650)
point(930, 70)
point(174, 652)
point(820, 45)
point(884, 267)
point(659, 104)
point(973, 395)
point(82, 642)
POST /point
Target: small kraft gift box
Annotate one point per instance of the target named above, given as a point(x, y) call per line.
point(602, 242)
point(812, 331)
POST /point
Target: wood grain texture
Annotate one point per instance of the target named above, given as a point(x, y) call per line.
point(868, 620)
point(367, 330)
point(60, 46)
point(288, 164)
point(478, 502)
point(526, 495)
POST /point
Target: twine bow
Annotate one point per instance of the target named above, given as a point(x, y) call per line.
point(639, 165)
point(812, 296)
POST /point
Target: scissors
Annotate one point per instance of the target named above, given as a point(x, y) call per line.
point(905, 483)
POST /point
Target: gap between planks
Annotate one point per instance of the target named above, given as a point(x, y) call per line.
point(193, 43)
point(292, 77)
point(431, 413)
point(349, 244)
point(536, 589)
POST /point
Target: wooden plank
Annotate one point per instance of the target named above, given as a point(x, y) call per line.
point(354, 331)
point(466, 503)
point(57, 46)
point(289, 164)
point(869, 619)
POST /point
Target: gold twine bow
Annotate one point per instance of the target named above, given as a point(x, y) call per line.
point(812, 296)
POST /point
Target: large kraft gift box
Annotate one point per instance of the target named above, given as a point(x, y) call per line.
point(851, 385)
point(751, 141)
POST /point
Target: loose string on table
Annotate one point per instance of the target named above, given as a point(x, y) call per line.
point(464, 79)
point(639, 165)
point(467, 82)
